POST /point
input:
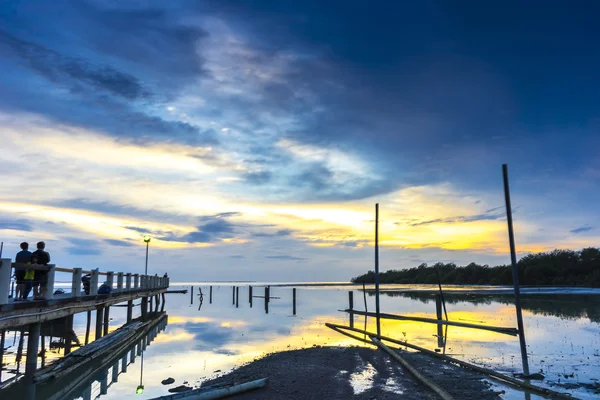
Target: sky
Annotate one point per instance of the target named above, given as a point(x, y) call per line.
point(252, 139)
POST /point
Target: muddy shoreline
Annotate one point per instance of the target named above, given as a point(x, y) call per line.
point(353, 372)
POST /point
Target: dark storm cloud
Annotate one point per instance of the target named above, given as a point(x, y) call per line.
point(17, 225)
point(422, 91)
point(582, 229)
point(287, 258)
point(212, 231)
point(75, 73)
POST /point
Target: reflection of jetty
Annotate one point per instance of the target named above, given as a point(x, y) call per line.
point(29, 316)
point(102, 361)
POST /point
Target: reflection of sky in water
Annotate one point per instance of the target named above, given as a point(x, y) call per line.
point(196, 343)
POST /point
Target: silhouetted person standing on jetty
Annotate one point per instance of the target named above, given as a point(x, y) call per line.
point(23, 257)
point(40, 256)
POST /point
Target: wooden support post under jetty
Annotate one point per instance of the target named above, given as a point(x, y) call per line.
point(2, 337)
point(43, 350)
point(237, 297)
point(33, 341)
point(106, 319)
point(144, 307)
point(87, 327)
point(129, 311)
point(216, 391)
point(99, 319)
point(68, 330)
point(506, 331)
point(491, 373)
point(294, 301)
point(351, 308)
point(151, 303)
point(162, 305)
point(420, 377)
point(438, 312)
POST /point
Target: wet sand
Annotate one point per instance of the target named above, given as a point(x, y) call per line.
point(353, 372)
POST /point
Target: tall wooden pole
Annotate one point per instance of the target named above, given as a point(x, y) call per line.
point(377, 268)
point(515, 271)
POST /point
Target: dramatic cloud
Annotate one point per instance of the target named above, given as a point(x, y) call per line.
point(115, 242)
point(582, 229)
point(489, 215)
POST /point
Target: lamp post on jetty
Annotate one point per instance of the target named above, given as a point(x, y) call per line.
point(147, 240)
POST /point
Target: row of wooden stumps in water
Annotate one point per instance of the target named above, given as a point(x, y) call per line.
point(235, 294)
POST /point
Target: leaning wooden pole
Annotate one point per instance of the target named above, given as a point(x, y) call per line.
point(377, 269)
point(420, 377)
point(515, 272)
point(491, 373)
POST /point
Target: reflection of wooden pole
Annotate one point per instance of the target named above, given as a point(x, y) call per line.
point(210, 295)
point(294, 301)
point(237, 297)
point(515, 271)
point(351, 308)
point(250, 295)
point(233, 294)
point(377, 269)
point(438, 312)
point(266, 299)
point(191, 295)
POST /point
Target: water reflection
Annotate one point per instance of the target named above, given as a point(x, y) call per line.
point(233, 327)
point(90, 376)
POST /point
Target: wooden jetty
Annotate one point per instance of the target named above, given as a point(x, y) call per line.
point(30, 315)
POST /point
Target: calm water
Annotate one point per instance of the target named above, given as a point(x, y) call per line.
point(563, 333)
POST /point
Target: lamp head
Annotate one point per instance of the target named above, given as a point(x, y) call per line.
point(139, 390)
point(147, 238)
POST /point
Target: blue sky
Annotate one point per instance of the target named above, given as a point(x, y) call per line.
point(252, 139)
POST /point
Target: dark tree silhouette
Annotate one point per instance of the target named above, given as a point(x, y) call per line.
point(558, 267)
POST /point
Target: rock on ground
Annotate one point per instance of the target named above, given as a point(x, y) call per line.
point(353, 372)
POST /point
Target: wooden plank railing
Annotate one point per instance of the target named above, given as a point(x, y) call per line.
point(138, 282)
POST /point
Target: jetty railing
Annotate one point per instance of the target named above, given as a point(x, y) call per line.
point(124, 282)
